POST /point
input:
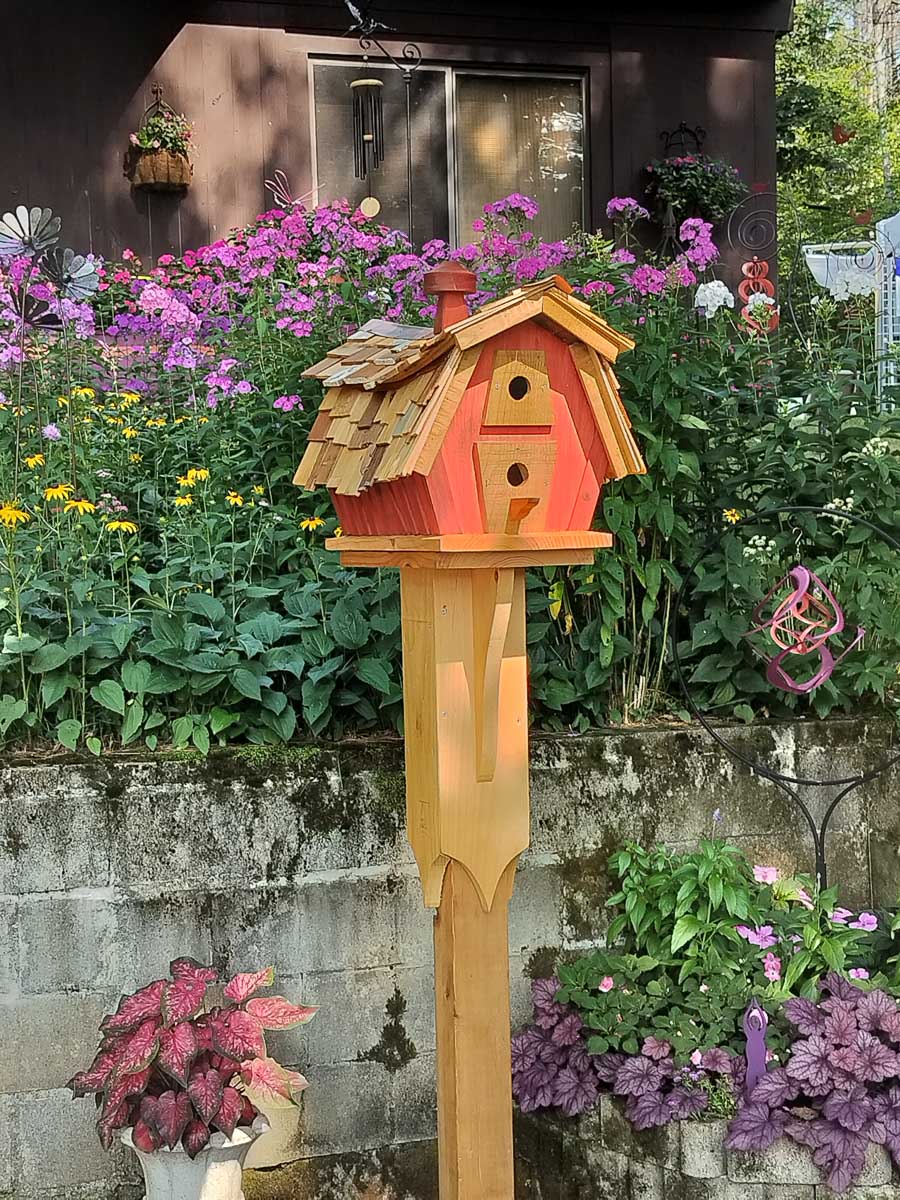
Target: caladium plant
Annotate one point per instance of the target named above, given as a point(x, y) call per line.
point(175, 1069)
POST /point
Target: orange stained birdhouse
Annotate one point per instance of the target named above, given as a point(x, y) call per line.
point(506, 422)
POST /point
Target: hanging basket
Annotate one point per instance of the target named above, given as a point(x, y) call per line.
point(158, 170)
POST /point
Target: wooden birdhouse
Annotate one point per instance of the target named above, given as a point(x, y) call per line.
point(462, 456)
point(506, 422)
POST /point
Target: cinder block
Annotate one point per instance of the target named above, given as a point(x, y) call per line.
point(68, 943)
point(414, 1090)
point(48, 1038)
point(10, 983)
point(8, 1166)
point(154, 932)
point(57, 1143)
point(416, 985)
point(360, 998)
point(252, 929)
point(646, 1181)
point(702, 1154)
point(415, 922)
point(783, 1162)
point(534, 911)
point(54, 832)
point(347, 1108)
point(348, 923)
point(659, 1145)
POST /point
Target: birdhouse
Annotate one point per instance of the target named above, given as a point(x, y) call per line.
point(506, 422)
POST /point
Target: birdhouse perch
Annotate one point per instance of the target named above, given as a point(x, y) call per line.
point(462, 455)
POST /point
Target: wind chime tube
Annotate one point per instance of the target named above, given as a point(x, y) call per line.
point(368, 126)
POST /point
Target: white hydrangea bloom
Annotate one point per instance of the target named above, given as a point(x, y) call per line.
point(712, 296)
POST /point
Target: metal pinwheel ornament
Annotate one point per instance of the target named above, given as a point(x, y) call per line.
point(33, 233)
point(801, 616)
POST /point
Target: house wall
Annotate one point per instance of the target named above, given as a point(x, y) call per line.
point(75, 80)
point(111, 868)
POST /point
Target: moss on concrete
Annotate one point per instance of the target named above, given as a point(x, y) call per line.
point(394, 1049)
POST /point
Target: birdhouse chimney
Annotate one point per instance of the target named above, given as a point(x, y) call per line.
point(451, 283)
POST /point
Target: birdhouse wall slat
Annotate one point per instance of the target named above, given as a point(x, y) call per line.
point(399, 506)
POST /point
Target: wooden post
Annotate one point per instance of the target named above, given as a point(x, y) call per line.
point(466, 728)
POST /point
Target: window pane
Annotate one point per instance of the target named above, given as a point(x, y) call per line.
point(525, 135)
point(334, 146)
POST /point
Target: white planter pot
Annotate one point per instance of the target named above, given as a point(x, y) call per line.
point(215, 1174)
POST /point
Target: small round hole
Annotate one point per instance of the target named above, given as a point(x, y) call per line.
point(517, 474)
point(519, 387)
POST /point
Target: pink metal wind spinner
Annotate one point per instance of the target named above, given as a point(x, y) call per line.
point(802, 622)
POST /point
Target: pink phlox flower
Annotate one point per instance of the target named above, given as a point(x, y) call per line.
point(647, 280)
point(623, 257)
point(626, 208)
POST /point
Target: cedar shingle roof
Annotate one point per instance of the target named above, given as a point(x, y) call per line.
point(392, 390)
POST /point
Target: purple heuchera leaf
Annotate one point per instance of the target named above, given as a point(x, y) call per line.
point(607, 1065)
point(568, 1031)
point(716, 1060)
point(842, 1154)
point(845, 1062)
point(580, 1059)
point(850, 1108)
point(876, 1061)
point(805, 1015)
point(755, 1127)
point(636, 1076)
point(805, 1132)
point(841, 1025)
point(840, 988)
point(810, 1063)
point(656, 1049)
point(575, 1092)
point(649, 1110)
point(875, 1008)
point(887, 1110)
point(776, 1088)
point(546, 1010)
point(525, 1049)
point(687, 1102)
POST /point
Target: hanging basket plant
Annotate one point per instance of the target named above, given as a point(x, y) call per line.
point(694, 185)
point(158, 159)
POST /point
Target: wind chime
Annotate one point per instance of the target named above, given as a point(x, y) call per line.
point(367, 94)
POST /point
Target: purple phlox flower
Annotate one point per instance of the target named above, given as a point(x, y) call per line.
point(647, 280)
point(623, 257)
point(51, 432)
point(288, 403)
point(867, 921)
point(626, 208)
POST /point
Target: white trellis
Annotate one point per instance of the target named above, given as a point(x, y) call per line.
point(863, 267)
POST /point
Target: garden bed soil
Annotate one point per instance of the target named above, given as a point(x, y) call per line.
point(598, 1156)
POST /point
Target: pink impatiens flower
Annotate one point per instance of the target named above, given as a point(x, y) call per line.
point(858, 973)
point(762, 937)
point(765, 874)
point(697, 1058)
point(772, 967)
point(841, 916)
point(867, 921)
point(606, 984)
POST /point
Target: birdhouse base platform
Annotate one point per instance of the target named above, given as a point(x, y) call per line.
point(474, 551)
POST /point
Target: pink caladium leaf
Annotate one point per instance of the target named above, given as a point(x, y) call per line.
point(94, 1078)
point(195, 1138)
point(182, 999)
point(756, 1127)
point(144, 1137)
point(187, 968)
point(230, 1110)
point(135, 1010)
point(110, 1121)
point(274, 1012)
point(249, 1113)
point(122, 1086)
point(139, 1049)
point(171, 1114)
point(238, 1035)
point(205, 1089)
point(242, 987)
point(178, 1047)
point(269, 1084)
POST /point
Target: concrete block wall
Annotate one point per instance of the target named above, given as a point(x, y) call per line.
point(111, 868)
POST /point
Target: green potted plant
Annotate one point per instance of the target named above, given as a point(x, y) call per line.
point(158, 159)
point(182, 1075)
point(688, 185)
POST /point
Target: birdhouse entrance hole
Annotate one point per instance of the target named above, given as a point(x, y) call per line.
point(517, 474)
point(519, 387)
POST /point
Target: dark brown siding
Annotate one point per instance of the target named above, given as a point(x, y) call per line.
point(75, 79)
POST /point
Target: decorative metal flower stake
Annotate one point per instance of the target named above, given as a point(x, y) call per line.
point(801, 623)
